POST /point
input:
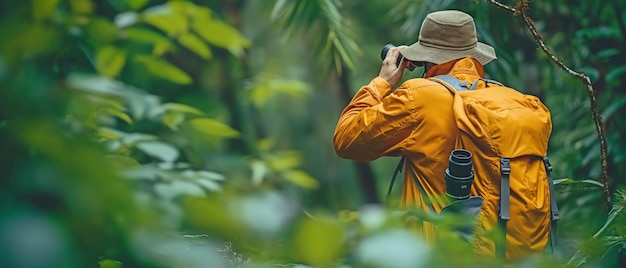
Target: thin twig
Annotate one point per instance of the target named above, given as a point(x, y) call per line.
point(521, 9)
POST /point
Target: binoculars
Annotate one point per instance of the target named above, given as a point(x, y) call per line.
point(411, 65)
point(459, 174)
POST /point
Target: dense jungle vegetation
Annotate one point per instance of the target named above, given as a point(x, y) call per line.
point(153, 133)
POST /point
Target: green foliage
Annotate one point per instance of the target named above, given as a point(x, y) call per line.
point(336, 43)
point(122, 124)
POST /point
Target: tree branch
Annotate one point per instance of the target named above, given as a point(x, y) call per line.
point(521, 9)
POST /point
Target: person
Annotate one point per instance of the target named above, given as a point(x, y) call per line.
point(416, 121)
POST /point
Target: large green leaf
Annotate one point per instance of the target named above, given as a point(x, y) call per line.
point(212, 127)
point(164, 69)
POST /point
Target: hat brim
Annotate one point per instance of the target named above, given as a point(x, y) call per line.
point(418, 52)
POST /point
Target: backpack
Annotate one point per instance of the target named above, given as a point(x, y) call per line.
point(507, 134)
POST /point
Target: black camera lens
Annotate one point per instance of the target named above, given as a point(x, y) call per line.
point(459, 175)
point(383, 53)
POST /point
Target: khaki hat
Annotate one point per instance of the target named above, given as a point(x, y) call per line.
point(448, 35)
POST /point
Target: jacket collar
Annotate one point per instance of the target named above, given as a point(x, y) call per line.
point(469, 68)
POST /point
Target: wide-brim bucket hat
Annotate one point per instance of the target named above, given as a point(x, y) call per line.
point(448, 35)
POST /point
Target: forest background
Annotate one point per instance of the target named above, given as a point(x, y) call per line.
point(145, 133)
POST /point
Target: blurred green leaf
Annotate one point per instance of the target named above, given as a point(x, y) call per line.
point(607, 53)
point(567, 181)
point(195, 44)
point(203, 174)
point(136, 4)
point(284, 160)
point(615, 105)
point(174, 114)
point(119, 114)
point(20, 40)
point(164, 70)
point(319, 241)
point(172, 24)
point(145, 36)
point(300, 178)
point(110, 60)
point(182, 108)
point(397, 248)
point(183, 7)
point(259, 171)
point(212, 127)
point(265, 89)
point(220, 34)
point(121, 161)
point(160, 150)
point(208, 184)
point(131, 139)
point(81, 6)
point(109, 134)
point(204, 178)
point(42, 9)
point(144, 172)
point(107, 263)
point(100, 31)
point(220, 222)
point(177, 188)
point(173, 120)
point(259, 95)
point(613, 75)
point(126, 19)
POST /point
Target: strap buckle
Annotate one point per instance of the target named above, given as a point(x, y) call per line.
point(505, 166)
point(546, 162)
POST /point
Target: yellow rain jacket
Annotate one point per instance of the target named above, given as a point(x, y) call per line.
point(417, 121)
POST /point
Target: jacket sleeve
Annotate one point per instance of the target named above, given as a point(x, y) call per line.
point(375, 123)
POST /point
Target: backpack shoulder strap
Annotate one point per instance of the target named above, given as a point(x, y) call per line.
point(505, 204)
point(454, 85)
point(554, 209)
point(451, 83)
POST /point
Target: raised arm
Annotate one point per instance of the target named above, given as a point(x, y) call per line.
point(375, 123)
